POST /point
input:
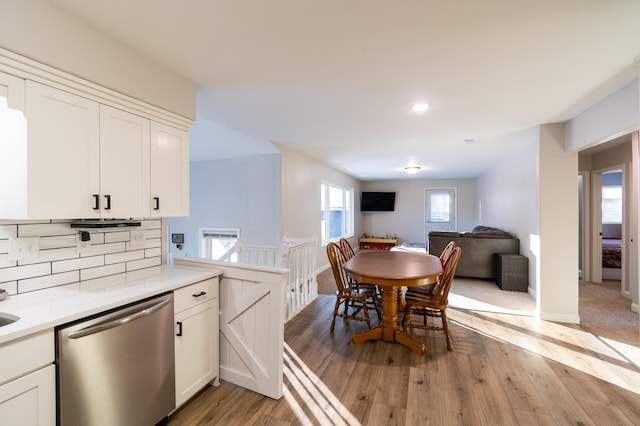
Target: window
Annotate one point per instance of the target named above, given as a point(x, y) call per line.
point(611, 204)
point(336, 209)
point(219, 243)
point(440, 207)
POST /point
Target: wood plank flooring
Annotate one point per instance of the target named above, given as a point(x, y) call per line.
point(504, 370)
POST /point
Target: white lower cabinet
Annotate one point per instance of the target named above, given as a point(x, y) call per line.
point(196, 340)
point(30, 400)
point(28, 389)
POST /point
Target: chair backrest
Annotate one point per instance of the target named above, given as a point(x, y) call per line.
point(346, 248)
point(444, 256)
point(337, 260)
point(441, 291)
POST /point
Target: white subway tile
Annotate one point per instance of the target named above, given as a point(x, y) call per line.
point(152, 224)
point(8, 231)
point(4, 246)
point(81, 263)
point(22, 272)
point(52, 255)
point(144, 244)
point(11, 287)
point(144, 263)
point(45, 229)
point(48, 281)
point(114, 237)
point(58, 241)
point(102, 271)
point(153, 233)
point(152, 252)
point(123, 257)
point(5, 263)
point(96, 249)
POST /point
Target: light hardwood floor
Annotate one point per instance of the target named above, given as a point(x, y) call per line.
point(504, 370)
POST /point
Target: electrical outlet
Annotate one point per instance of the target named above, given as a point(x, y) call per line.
point(136, 237)
point(23, 248)
point(82, 246)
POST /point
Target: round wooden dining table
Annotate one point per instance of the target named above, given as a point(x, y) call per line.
point(392, 270)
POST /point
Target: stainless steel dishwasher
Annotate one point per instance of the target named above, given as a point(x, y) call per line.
point(117, 368)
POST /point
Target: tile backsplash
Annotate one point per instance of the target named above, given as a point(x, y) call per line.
point(58, 262)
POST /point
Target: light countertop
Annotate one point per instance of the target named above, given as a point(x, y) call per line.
point(44, 309)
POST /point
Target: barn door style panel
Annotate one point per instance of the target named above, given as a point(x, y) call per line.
point(252, 312)
point(252, 334)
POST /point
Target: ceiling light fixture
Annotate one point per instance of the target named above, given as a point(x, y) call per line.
point(412, 169)
point(420, 107)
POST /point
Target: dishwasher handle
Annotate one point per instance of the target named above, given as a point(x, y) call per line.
point(118, 322)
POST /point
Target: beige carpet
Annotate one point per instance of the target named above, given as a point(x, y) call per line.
point(603, 311)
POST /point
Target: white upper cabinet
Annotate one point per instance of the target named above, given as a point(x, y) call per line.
point(60, 166)
point(70, 149)
point(169, 171)
point(124, 164)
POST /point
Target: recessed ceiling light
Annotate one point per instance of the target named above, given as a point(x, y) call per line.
point(412, 169)
point(420, 107)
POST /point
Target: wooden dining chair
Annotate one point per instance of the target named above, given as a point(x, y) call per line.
point(346, 248)
point(444, 256)
point(348, 293)
point(433, 304)
point(348, 252)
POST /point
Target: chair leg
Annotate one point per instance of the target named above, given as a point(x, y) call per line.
point(445, 325)
point(406, 318)
point(335, 313)
point(366, 313)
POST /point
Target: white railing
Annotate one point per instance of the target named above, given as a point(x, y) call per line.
point(298, 255)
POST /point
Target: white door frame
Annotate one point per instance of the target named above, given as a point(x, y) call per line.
point(586, 225)
point(596, 227)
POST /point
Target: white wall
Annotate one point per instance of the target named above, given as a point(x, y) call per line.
point(508, 197)
point(558, 260)
point(617, 114)
point(237, 193)
point(407, 221)
point(40, 31)
point(301, 179)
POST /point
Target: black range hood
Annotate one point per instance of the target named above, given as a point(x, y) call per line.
point(105, 223)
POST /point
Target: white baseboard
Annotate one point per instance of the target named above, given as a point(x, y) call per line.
point(551, 316)
point(323, 268)
point(634, 308)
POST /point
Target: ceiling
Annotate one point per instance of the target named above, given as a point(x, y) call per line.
point(335, 79)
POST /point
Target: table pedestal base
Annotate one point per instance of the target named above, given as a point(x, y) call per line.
point(398, 336)
point(388, 330)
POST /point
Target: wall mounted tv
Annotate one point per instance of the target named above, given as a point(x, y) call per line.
point(377, 201)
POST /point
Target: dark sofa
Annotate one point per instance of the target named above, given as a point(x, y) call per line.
point(478, 249)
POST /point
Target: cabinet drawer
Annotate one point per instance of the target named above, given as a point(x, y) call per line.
point(21, 356)
point(194, 294)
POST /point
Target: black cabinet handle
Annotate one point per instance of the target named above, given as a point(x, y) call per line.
point(156, 201)
point(108, 198)
point(96, 201)
point(202, 293)
point(179, 333)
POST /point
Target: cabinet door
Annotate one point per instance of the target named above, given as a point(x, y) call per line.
point(30, 400)
point(62, 162)
point(124, 164)
point(169, 171)
point(196, 350)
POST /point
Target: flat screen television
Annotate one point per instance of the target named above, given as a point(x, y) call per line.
point(377, 201)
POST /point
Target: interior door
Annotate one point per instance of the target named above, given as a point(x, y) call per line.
point(440, 210)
